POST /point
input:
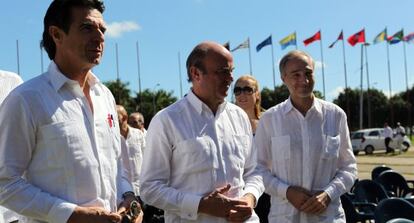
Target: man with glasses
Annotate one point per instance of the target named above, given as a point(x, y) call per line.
point(199, 165)
point(136, 120)
point(304, 150)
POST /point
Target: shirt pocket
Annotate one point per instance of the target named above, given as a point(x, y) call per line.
point(66, 144)
point(331, 147)
point(195, 155)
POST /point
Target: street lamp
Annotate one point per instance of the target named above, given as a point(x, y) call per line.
point(153, 98)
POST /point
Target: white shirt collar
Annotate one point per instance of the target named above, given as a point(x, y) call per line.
point(58, 79)
point(316, 104)
point(200, 106)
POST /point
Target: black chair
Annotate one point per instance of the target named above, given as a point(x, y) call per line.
point(378, 170)
point(369, 191)
point(392, 208)
point(353, 210)
point(395, 183)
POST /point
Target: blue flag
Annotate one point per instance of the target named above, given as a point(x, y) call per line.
point(267, 41)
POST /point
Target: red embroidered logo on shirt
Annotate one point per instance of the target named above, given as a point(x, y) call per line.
point(111, 120)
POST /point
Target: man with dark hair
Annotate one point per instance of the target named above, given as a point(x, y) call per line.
point(304, 150)
point(199, 165)
point(60, 140)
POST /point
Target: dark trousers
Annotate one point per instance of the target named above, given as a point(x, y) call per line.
point(263, 208)
point(387, 145)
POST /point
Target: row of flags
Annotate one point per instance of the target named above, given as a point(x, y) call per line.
point(358, 37)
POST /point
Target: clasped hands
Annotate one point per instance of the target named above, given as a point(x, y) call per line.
point(99, 214)
point(233, 210)
point(305, 201)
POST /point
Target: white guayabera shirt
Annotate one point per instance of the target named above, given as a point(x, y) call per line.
point(312, 151)
point(190, 152)
point(55, 153)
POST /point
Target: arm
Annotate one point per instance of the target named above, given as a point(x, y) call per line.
point(155, 173)
point(346, 168)
point(263, 141)
point(17, 143)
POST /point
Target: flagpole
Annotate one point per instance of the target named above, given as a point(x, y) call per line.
point(368, 87)
point(18, 57)
point(273, 64)
point(406, 83)
point(117, 65)
point(41, 57)
point(389, 82)
point(348, 114)
point(139, 75)
point(250, 57)
point(361, 100)
point(179, 74)
point(323, 69)
point(296, 42)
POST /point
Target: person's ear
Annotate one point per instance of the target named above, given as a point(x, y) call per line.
point(56, 33)
point(195, 73)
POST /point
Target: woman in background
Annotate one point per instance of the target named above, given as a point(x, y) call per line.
point(246, 91)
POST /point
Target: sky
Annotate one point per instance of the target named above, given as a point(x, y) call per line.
point(167, 31)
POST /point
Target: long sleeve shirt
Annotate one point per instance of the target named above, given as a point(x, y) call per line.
point(132, 156)
point(55, 154)
point(312, 151)
point(190, 152)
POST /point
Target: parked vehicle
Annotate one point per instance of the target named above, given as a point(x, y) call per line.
point(370, 140)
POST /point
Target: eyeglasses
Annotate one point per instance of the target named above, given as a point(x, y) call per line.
point(247, 90)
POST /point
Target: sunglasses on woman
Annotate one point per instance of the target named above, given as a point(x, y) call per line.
point(246, 90)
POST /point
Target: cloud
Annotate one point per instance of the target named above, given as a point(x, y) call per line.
point(117, 29)
point(334, 93)
point(318, 65)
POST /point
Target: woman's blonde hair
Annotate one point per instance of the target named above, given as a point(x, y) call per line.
point(257, 106)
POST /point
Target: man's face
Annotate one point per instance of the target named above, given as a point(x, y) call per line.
point(215, 82)
point(298, 77)
point(84, 42)
point(136, 121)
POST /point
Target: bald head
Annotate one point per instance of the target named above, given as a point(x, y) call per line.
point(199, 53)
point(122, 114)
point(136, 120)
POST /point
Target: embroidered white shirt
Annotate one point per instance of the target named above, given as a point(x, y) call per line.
point(55, 153)
point(132, 156)
point(312, 151)
point(190, 152)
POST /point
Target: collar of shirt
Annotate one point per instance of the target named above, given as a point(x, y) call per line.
point(316, 105)
point(58, 79)
point(200, 106)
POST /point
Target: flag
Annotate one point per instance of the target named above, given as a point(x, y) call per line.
point(267, 41)
point(340, 37)
point(242, 45)
point(381, 36)
point(397, 37)
point(312, 39)
point(227, 45)
point(358, 37)
point(288, 40)
point(409, 37)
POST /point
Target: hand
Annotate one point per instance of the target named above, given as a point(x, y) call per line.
point(93, 214)
point(125, 206)
point(317, 204)
point(219, 205)
point(297, 196)
point(243, 212)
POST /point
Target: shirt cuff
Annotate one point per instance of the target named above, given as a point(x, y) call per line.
point(189, 206)
point(281, 188)
point(330, 190)
point(61, 211)
point(253, 191)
